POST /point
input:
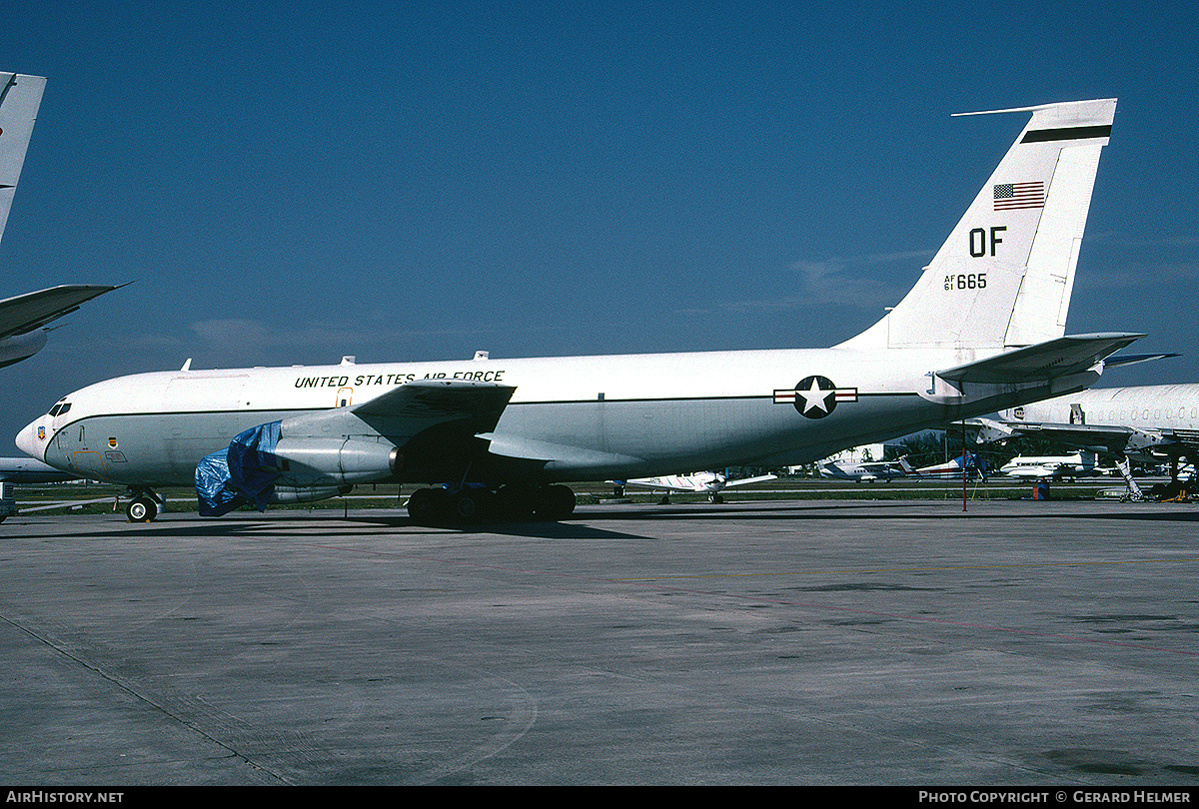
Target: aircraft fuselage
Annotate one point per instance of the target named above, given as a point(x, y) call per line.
point(591, 417)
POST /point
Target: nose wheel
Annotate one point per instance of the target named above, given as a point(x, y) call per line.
point(141, 509)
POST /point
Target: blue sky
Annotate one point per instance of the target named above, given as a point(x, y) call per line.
point(289, 183)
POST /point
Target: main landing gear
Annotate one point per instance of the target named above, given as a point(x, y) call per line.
point(143, 507)
point(476, 504)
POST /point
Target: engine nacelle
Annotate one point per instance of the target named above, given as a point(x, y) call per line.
point(286, 494)
point(322, 462)
point(269, 464)
point(21, 346)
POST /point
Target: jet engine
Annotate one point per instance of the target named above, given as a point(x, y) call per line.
point(287, 495)
point(318, 462)
point(266, 465)
point(21, 346)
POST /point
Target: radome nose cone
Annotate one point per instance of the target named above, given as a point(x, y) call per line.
point(27, 441)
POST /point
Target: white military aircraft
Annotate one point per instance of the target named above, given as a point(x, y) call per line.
point(27, 470)
point(1051, 467)
point(982, 329)
point(866, 471)
point(1144, 423)
point(710, 483)
point(23, 318)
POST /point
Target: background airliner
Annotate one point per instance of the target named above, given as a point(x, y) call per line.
point(982, 329)
point(1143, 423)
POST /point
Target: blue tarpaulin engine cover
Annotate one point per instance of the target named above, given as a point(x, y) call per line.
point(244, 472)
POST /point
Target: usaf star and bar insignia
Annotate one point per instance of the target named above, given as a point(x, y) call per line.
point(815, 396)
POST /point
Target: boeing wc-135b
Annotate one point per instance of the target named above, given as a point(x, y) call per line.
point(982, 329)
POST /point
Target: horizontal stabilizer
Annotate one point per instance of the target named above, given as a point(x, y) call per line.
point(1133, 359)
point(1055, 358)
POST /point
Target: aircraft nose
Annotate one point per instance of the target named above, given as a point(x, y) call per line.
point(27, 440)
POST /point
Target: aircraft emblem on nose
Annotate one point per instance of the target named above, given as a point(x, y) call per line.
point(41, 433)
point(815, 396)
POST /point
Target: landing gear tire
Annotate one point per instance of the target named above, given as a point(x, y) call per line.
point(555, 503)
point(141, 509)
point(515, 502)
point(422, 507)
point(465, 506)
point(474, 504)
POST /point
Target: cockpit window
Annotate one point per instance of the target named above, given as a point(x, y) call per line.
point(60, 408)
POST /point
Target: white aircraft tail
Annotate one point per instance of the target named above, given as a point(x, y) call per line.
point(1003, 278)
point(20, 96)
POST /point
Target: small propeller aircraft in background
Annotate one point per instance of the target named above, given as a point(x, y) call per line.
point(711, 483)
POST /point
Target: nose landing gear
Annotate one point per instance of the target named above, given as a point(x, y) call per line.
point(143, 507)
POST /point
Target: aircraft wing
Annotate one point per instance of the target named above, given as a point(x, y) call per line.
point(1061, 357)
point(1133, 359)
point(884, 467)
point(441, 400)
point(432, 420)
point(30, 311)
point(745, 481)
point(665, 484)
point(1109, 438)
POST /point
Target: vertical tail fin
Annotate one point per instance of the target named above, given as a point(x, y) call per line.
point(20, 96)
point(1004, 276)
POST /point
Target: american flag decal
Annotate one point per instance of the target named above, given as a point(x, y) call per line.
point(1014, 196)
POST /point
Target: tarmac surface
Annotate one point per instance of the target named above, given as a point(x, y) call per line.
point(782, 642)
